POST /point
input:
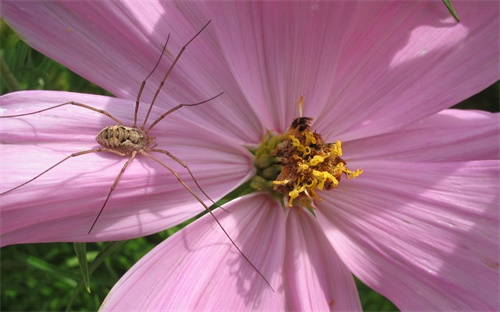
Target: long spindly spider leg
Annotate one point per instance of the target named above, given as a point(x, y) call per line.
point(97, 150)
point(115, 183)
point(168, 73)
point(208, 210)
point(144, 82)
point(70, 103)
point(176, 108)
point(188, 170)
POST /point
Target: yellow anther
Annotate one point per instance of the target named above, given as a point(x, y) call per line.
point(322, 177)
point(294, 194)
point(312, 184)
point(310, 139)
point(316, 160)
point(302, 163)
point(282, 182)
point(352, 174)
point(307, 150)
point(338, 169)
point(337, 148)
point(295, 141)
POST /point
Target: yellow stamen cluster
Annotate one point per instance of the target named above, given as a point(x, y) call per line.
point(309, 164)
point(298, 162)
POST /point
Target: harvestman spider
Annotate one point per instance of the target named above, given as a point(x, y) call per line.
point(130, 141)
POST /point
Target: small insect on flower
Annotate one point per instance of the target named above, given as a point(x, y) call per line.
point(129, 141)
point(298, 163)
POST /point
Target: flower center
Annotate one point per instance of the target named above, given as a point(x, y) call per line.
point(297, 163)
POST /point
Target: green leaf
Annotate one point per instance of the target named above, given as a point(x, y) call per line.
point(103, 254)
point(451, 9)
point(81, 254)
point(62, 274)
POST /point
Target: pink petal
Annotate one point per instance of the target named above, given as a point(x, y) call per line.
point(425, 235)
point(86, 37)
point(451, 135)
point(315, 278)
point(363, 68)
point(116, 44)
point(62, 204)
point(362, 80)
point(199, 269)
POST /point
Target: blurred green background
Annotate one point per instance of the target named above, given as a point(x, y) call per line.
point(47, 277)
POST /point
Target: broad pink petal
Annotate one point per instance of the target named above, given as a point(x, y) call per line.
point(116, 44)
point(198, 268)
point(94, 38)
point(425, 235)
point(354, 89)
point(314, 277)
point(363, 68)
point(62, 204)
point(451, 135)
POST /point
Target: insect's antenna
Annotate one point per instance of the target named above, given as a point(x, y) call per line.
point(113, 186)
point(168, 73)
point(209, 211)
point(144, 82)
point(176, 108)
point(57, 164)
point(70, 103)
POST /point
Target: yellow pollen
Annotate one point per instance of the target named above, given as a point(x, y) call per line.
point(306, 150)
point(310, 164)
point(295, 141)
point(322, 177)
point(317, 159)
point(303, 167)
point(284, 182)
point(337, 148)
point(301, 163)
point(311, 184)
point(352, 174)
point(294, 194)
point(310, 139)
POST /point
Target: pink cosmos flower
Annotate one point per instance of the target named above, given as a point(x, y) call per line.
point(420, 225)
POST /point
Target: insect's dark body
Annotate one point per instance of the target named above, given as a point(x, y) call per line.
point(302, 123)
point(124, 139)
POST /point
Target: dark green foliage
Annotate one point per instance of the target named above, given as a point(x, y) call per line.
point(43, 277)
